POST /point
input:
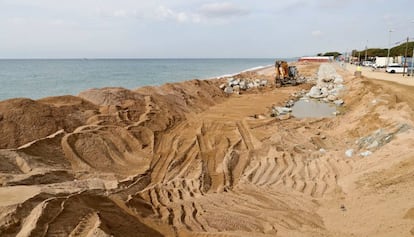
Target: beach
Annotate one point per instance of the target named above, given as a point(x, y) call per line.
point(188, 159)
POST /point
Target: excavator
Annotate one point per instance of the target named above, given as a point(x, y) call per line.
point(285, 74)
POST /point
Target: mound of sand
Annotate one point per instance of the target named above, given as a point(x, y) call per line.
point(185, 159)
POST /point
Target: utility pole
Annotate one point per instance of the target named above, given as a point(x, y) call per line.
point(359, 57)
point(389, 46)
point(412, 63)
point(366, 50)
point(405, 57)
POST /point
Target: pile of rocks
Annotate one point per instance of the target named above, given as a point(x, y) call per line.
point(380, 137)
point(235, 85)
point(281, 113)
point(328, 86)
point(376, 140)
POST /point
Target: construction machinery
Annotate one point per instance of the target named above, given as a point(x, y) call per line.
point(286, 75)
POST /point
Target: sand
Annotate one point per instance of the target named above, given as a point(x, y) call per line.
point(185, 159)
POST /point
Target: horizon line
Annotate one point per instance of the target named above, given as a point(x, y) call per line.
point(128, 58)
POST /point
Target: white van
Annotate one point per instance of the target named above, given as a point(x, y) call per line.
point(397, 68)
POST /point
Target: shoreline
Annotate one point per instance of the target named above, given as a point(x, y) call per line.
point(50, 84)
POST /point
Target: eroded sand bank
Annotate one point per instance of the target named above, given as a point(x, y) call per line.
point(185, 159)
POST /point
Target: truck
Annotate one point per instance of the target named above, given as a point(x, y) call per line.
point(381, 62)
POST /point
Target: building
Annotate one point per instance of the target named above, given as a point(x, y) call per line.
point(316, 59)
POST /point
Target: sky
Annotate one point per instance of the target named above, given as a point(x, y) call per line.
point(199, 28)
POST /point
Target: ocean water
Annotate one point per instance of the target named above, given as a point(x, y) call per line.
point(38, 78)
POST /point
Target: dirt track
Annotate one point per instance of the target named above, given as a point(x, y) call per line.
point(186, 160)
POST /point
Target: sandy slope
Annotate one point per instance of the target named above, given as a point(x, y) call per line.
point(186, 160)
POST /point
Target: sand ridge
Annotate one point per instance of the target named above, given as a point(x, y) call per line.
point(185, 159)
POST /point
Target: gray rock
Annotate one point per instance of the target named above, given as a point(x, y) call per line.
point(228, 90)
point(324, 91)
point(349, 153)
point(236, 89)
point(314, 92)
point(375, 144)
point(263, 83)
point(331, 97)
point(338, 80)
point(284, 117)
point(243, 85)
point(338, 102)
point(327, 79)
point(281, 110)
point(365, 153)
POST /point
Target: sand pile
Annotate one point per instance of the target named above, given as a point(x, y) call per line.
point(185, 159)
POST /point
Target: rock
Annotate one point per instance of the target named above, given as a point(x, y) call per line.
point(349, 153)
point(236, 89)
point(234, 82)
point(336, 113)
point(324, 91)
point(365, 153)
point(314, 92)
point(327, 79)
point(338, 80)
point(331, 97)
point(222, 86)
point(290, 104)
point(373, 145)
point(263, 83)
point(338, 102)
point(277, 111)
point(322, 150)
point(284, 117)
point(228, 90)
point(243, 85)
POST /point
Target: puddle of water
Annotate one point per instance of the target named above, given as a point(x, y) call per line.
point(312, 109)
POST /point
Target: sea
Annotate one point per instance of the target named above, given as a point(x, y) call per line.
point(39, 78)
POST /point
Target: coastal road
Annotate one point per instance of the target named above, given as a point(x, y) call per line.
point(379, 74)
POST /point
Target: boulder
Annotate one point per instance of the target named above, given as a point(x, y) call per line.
point(263, 83)
point(365, 153)
point(228, 90)
point(332, 97)
point(327, 79)
point(338, 80)
point(314, 92)
point(236, 89)
point(339, 102)
point(349, 153)
point(243, 85)
point(324, 91)
point(281, 110)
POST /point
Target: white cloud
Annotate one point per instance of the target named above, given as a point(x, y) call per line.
point(222, 10)
point(165, 13)
point(316, 33)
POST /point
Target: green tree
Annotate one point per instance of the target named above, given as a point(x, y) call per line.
point(334, 54)
point(400, 49)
